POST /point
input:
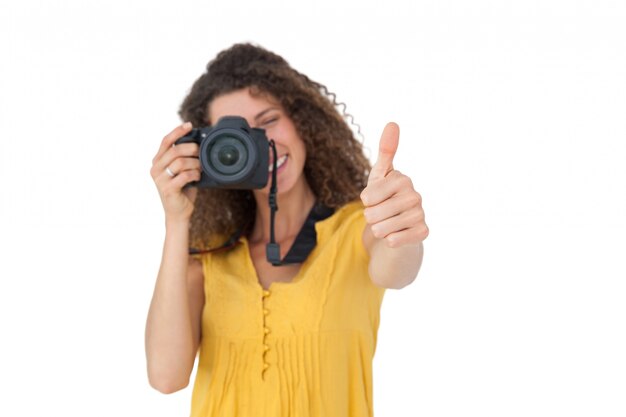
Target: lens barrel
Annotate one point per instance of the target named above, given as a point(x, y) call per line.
point(229, 156)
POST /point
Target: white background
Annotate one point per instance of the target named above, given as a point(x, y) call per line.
point(512, 128)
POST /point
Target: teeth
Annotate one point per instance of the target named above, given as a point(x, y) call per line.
point(279, 163)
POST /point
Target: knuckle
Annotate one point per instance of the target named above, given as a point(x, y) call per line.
point(413, 199)
point(180, 150)
point(377, 232)
point(398, 176)
point(419, 216)
point(419, 233)
point(365, 197)
point(414, 217)
point(190, 175)
point(155, 172)
point(175, 151)
point(167, 138)
point(191, 163)
point(175, 166)
point(416, 199)
point(391, 242)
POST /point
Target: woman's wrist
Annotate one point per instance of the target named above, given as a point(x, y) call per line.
point(177, 222)
point(176, 236)
point(177, 227)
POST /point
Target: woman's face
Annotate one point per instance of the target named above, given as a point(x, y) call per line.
point(263, 112)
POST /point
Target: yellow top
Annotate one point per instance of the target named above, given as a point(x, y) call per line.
point(300, 349)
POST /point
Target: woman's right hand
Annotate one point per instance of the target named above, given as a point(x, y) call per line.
point(181, 161)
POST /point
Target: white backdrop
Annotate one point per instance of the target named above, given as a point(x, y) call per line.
point(512, 128)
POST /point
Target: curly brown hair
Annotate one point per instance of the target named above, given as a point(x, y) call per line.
point(336, 167)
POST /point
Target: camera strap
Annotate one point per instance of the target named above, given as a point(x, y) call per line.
point(307, 237)
point(272, 250)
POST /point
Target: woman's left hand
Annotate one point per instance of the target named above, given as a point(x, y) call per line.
point(393, 209)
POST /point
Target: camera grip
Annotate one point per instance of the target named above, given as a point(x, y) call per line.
point(191, 137)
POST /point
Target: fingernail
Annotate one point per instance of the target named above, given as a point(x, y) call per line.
point(186, 125)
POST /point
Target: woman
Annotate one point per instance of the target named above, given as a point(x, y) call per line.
point(290, 340)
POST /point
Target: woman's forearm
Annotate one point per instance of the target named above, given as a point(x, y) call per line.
point(170, 344)
point(392, 267)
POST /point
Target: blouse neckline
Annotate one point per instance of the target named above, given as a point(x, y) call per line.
point(323, 219)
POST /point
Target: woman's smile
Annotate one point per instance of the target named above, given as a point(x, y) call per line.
point(279, 164)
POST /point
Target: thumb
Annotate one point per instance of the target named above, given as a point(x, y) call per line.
point(386, 151)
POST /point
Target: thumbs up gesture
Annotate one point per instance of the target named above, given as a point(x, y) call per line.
point(393, 209)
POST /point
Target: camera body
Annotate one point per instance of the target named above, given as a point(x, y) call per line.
point(232, 154)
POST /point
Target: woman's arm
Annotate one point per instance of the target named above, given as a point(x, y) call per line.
point(395, 226)
point(173, 325)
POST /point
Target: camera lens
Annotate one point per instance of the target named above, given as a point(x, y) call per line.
point(228, 155)
point(233, 155)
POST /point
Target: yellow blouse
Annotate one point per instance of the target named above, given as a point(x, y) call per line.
point(300, 349)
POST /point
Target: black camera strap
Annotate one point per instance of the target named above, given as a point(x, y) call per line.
point(272, 250)
point(307, 237)
point(306, 240)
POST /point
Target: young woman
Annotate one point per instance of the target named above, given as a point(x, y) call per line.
point(290, 340)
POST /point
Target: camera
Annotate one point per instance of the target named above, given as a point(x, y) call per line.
point(232, 154)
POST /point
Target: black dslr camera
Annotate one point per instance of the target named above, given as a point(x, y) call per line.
point(232, 154)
